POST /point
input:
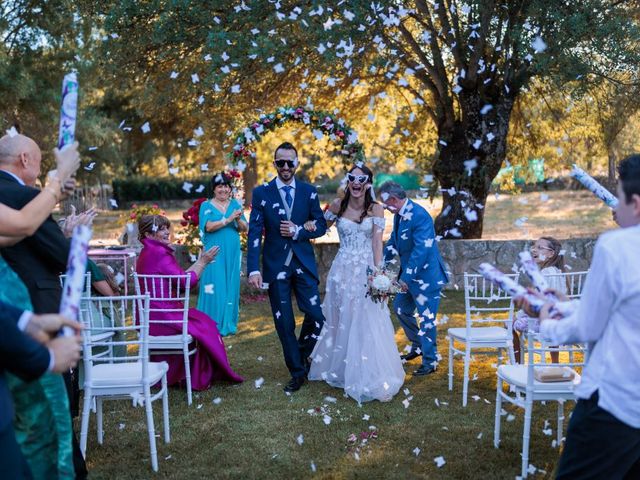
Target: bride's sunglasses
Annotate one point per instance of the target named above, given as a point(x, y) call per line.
point(357, 178)
point(289, 163)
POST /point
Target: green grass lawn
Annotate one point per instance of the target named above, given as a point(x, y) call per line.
point(250, 432)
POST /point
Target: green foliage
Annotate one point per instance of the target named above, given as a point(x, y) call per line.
point(132, 189)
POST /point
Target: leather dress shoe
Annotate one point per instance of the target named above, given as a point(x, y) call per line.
point(410, 356)
point(423, 370)
point(294, 384)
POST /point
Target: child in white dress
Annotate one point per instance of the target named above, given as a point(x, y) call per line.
point(547, 253)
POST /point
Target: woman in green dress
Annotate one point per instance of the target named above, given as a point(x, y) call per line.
point(221, 220)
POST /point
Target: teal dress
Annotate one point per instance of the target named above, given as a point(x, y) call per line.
point(220, 282)
point(42, 422)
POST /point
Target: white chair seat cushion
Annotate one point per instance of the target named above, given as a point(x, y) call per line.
point(480, 334)
point(517, 375)
point(168, 342)
point(124, 374)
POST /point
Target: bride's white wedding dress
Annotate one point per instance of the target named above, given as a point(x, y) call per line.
point(356, 349)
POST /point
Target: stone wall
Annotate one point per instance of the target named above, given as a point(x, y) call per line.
point(462, 256)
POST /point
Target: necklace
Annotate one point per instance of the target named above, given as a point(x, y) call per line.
point(220, 205)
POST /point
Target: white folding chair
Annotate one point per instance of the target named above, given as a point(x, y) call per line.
point(521, 381)
point(481, 299)
point(104, 332)
point(571, 284)
point(123, 377)
point(169, 295)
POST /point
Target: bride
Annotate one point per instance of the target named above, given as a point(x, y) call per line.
point(356, 349)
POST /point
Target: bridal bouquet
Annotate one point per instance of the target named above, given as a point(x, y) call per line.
point(381, 284)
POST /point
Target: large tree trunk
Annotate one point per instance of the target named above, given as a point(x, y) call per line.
point(250, 178)
point(464, 172)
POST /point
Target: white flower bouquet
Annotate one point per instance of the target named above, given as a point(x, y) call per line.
point(381, 284)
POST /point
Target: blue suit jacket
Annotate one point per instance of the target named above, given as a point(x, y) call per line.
point(413, 239)
point(20, 355)
point(267, 211)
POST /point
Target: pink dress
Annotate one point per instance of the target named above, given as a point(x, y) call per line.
point(210, 361)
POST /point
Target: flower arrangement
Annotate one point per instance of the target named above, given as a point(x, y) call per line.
point(381, 285)
point(138, 211)
point(190, 234)
point(322, 123)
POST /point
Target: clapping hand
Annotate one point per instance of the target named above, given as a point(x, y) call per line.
point(235, 215)
point(73, 220)
point(310, 225)
point(209, 256)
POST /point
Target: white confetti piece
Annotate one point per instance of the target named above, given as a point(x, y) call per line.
point(300, 439)
point(440, 461)
point(208, 288)
point(416, 451)
point(146, 128)
point(258, 383)
point(217, 401)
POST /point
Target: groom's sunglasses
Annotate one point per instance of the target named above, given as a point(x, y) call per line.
point(289, 163)
point(357, 178)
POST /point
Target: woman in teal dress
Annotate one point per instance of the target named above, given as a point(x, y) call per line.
point(221, 220)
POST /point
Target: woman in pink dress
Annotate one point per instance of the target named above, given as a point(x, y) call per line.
point(210, 362)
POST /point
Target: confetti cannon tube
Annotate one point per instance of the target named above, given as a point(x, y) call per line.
point(491, 273)
point(532, 271)
point(594, 187)
point(68, 110)
point(75, 275)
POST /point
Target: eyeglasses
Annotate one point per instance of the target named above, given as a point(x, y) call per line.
point(357, 178)
point(541, 248)
point(289, 163)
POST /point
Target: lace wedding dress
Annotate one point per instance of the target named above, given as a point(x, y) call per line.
point(356, 349)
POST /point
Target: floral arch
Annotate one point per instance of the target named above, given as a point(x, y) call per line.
point(320, 123)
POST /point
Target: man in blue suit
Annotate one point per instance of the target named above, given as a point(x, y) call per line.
point(422, 273)
point(279, 210)
point(25, 357)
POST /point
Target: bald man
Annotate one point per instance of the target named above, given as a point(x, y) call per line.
point(41, 258)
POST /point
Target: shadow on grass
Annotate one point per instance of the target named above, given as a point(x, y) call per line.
point(253, 432)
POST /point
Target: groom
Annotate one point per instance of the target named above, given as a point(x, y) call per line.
point(422, 273)
point(280, 209)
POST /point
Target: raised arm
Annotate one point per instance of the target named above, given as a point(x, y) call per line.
point(24, 222)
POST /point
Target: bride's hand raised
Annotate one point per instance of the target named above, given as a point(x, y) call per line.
point(310, 225)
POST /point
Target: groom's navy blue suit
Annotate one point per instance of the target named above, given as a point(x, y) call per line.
point(288, 264)
point(422, 269)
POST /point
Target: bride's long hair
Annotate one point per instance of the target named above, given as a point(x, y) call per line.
point(368, 196)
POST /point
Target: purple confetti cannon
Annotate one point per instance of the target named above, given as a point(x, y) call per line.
point(75, 275)
point(593, 186)
point(68, 110)
point(516, 291)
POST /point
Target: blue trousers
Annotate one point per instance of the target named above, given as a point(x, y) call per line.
point(422, 336)
point(297, 279)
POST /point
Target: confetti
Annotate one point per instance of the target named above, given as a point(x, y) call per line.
point(439, 461)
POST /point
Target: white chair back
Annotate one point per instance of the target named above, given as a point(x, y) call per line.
point(134, 332)
point(169, 297)
point(483, 298)
point(570, 283)
point(87, 283)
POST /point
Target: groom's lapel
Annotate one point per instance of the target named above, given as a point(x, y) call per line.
point(275, 199)
point(298, 201)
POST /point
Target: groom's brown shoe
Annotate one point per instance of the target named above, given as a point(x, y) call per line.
point(294, 384)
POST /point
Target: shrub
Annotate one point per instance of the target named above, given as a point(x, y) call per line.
point(155, 189)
